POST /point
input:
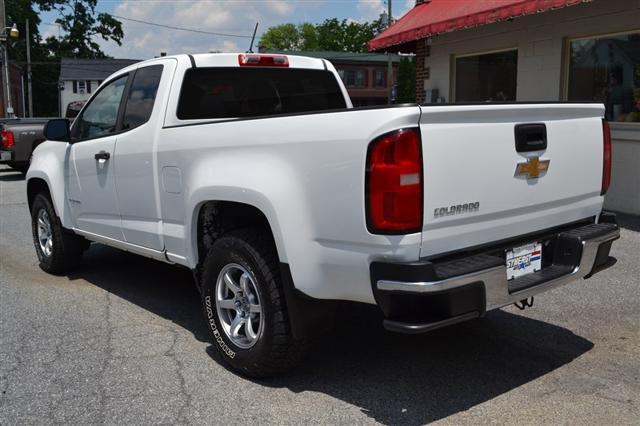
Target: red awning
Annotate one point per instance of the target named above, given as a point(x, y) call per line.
point(442, 16)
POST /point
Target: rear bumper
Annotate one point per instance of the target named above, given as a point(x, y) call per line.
point(427, 295)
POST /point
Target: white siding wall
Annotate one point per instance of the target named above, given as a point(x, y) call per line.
point(67, 95)
point(540, 42)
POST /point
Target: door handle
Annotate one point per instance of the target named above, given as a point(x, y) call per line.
point(102, 155)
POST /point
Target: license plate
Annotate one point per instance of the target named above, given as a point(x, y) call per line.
point(524, 260)
point(5, 156)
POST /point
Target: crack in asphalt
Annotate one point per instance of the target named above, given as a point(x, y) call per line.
point(186, 396)
point(102, 400)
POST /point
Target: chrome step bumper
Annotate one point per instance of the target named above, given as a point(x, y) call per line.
point(578, 253)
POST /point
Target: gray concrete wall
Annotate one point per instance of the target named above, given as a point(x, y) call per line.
point(624, 193)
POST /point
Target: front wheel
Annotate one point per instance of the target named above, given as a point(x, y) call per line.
point(244, 305)
point(58, 250)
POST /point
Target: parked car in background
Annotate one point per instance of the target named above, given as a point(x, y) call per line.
point(74, 108)
point(257, 174)
point(20, 136)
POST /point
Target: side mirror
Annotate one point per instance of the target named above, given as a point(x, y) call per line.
point(57, 130)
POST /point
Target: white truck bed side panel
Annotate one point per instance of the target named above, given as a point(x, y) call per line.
point(306, 174)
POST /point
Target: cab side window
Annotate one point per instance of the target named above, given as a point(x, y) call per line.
point(100, 116)
point(141, 96)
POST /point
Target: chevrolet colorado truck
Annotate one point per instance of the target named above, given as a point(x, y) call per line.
point(256, 173)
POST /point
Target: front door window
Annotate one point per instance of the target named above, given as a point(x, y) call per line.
point(101, 115)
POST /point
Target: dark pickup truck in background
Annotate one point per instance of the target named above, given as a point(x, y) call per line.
point(20, 136)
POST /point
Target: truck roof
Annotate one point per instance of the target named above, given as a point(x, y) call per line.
point(232, 60)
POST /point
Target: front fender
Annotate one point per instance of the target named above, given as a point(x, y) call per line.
point(49, 162)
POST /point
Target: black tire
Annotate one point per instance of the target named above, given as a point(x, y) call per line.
point(66, 248)
point(275, 351)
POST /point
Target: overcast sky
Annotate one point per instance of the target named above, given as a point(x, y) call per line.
point(236, 17)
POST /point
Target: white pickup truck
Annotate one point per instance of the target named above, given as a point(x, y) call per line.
point(255, 172)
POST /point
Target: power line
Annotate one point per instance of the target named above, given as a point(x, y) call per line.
point(181, 28)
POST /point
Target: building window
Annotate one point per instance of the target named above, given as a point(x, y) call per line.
point(486, 77)
point(355, 78)
point(379, 78)
point(607, 69)
point(82, 86)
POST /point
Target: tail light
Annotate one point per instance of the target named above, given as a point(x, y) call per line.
point(394, 183)
point(606, 157)
point(250, 60)
point(8, 140)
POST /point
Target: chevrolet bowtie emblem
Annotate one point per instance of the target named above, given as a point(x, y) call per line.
point(533, 168)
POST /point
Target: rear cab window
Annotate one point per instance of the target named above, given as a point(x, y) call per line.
point(142, 95)
point(219, 93)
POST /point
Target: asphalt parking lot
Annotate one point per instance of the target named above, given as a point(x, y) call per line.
point(123, 341)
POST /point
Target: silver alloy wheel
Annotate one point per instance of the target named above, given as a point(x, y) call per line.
point(45, 236)
point(238, 306)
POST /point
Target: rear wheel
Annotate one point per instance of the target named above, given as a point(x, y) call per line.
point(244, 305)
point(58, 250)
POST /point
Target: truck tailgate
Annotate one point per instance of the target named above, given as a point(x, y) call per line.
point(472, 193)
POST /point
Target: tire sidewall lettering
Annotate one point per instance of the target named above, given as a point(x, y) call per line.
point(217, 336)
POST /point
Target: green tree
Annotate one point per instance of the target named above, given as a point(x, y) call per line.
point(308, 37)
point(80, 31)
point(45, 69)
point(282, 37)
point(345, 36)
point(406, 80)
point(332, 35)
point(81, 25)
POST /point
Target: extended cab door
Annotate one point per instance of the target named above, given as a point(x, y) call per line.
point(92, 189)
point(135, 154)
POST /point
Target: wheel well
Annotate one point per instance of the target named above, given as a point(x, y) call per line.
point(216, 218)
point(34, 187)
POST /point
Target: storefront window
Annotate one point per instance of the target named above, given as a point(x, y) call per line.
point(491, 77)
point(356, 78)
point(380, 78)
point(607, 69)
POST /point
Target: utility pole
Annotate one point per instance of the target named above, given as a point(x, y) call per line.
point(389, 62)
point(29, 91)
point(8, 109)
